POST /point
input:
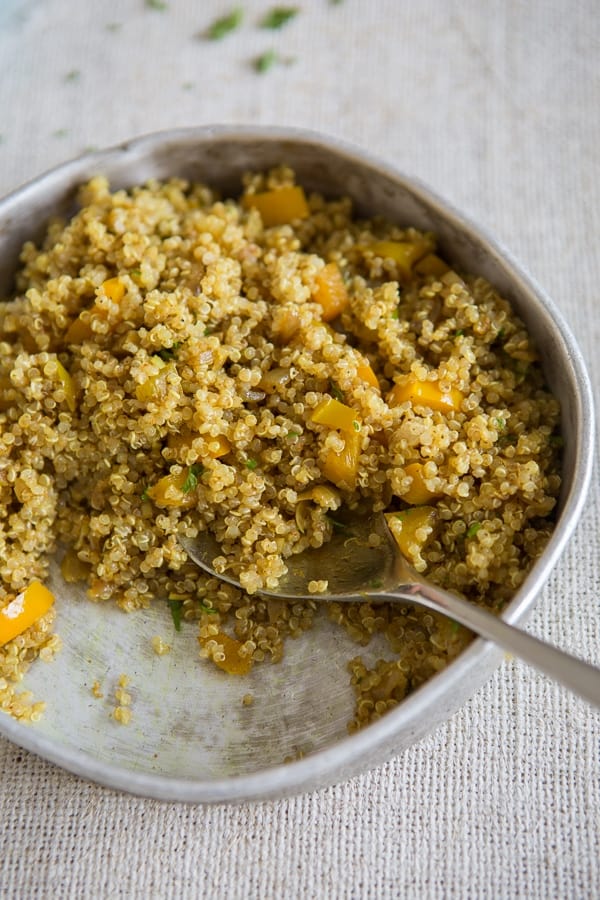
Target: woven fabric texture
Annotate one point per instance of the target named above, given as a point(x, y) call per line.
point(497, 106)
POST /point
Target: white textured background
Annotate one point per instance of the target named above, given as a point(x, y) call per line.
point(497, 106)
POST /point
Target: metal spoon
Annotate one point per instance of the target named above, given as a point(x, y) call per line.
point(357, 570)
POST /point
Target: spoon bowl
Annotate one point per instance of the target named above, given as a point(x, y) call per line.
point(364, 563)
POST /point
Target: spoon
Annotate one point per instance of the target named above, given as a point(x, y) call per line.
point(362, 562)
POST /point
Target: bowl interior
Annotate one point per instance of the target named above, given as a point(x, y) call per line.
point(190, 721)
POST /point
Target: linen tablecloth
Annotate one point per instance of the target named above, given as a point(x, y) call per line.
point(497, 106)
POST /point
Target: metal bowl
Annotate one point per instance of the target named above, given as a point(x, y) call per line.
point(191, 738)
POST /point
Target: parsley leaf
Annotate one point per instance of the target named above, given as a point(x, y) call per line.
point(335, 392)
point(473, 529)
point(279, 16)
point(157, 4)
point(251, 464)
point(176, 608)
point(191, 481)
point(208, 609)
point(226, 24)
point(265, 61)
point(168, 353)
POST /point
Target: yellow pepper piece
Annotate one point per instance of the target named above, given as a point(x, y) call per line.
point(233, 664)
point(78, 331)
point(405, 525)
point(425, 393)
point(67, 383)
point(366, 373)
point(114, 288)
point(404, 253)
point(27, 607)
point(217, 446)
point(169, 491)
point(418, 493)
point(279, 206)
point(342, 468)
point(72, 568)
point(155, 386)
point(334, 414)
point(431, 265)
point(330, 291)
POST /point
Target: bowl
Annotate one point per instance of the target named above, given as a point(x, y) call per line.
point(191, 737)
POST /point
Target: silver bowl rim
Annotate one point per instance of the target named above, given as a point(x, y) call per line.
point(350, 753)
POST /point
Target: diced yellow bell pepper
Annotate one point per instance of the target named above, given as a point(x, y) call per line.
point(425, 393)
point(418, 493)
point(217, 446)
point(366, 373)
point(233, 664)
point(72, 568)
point(334, 414)
point(330, 291)
point(27, 607)
point(342, 468)
point(68, 386)
point(169, 491)
point(78, 331)
point(279, 206)
point(404, 253)
point(405, 525)
point(114, 288)
point(431, 265)
point(155, 385)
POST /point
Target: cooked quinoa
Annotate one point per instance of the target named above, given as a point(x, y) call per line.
point(173, 362)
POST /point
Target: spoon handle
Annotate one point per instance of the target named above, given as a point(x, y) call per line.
point(579, 676)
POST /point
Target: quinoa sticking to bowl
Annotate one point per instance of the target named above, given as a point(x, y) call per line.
point(173, 362)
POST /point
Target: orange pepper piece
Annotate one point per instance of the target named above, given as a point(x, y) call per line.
point(418, 493)
point(425, 393)
point(22, 612)
point(233, 664)
point(279, 206)
point(330, 291)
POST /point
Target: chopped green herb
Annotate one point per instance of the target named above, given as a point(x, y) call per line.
point(265, 61)
point(292, 435)
point(473, 529)
point(376, 583)
point(91, 148)
point(207, 331)
point(251, 464)
point(191, 481)
point(187, 85)
point(396, 314)
point(500, 423)
point(157, 4)
point(455, 627)
point(135, 273)
point(208, 609)
point(335, 392)
point(114, 26)
point(145, 494)
point(73, 75)
point(168, 353)
point(60, 133)
point(176, 608)
point(279, 16)
point(356, 425)
point(226, 24)
point(459, 333)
